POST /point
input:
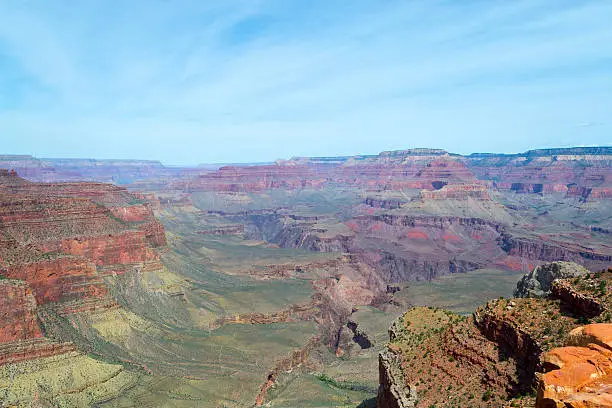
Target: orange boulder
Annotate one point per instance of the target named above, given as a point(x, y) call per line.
point(580, 375)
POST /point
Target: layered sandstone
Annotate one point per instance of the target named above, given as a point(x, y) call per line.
point(458, 192)
point(580, 374)
point(127, 247)
point(56, 238)
point(583, 173)
point(387, 171)
point(18, 312)
point(20, 335)
point(60, 279)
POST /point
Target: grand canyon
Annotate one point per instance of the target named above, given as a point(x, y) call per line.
point(410, 278)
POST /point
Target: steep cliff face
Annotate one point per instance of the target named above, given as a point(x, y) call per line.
point(417, 247)
point(408, 247)
point(458, 192)
point(123, 248)
point(141, 215)
point(393, 392)
point(437, 358)
point(20, 335)
point(550, 250)
point(380, 203)
point(18, 312)
point(584, 303)
point(65, 278)
point(512, 339)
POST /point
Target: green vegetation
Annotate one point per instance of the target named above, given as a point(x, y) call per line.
point(461, 293)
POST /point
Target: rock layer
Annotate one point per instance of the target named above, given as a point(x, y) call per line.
point(56, 239)
point(18, 319)
point(579, 375)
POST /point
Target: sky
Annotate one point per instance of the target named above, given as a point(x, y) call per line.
point(189, 82)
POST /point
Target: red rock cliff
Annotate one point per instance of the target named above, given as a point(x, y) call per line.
point(17, 312)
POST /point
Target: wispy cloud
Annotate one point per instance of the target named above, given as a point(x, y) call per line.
point(244, 80)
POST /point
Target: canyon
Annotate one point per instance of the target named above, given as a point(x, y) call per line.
point(275, 284)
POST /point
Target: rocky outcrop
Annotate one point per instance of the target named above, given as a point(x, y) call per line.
point(538, 282)
point(512, 345)
point(381, 203)
point(224, 230)
point(292, 314)
point(582, 304)
point(512, 340)
point(580, 374)
point(444, 359)
point(349, 336)
point(393, 392)
point(360, 337)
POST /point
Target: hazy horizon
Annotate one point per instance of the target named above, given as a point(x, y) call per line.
point(169, 164)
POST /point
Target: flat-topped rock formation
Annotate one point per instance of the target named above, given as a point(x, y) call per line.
point(457, 192)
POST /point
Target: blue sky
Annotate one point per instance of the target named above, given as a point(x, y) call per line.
point(198, 81)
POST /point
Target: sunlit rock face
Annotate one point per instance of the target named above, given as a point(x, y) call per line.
point(580, 374)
